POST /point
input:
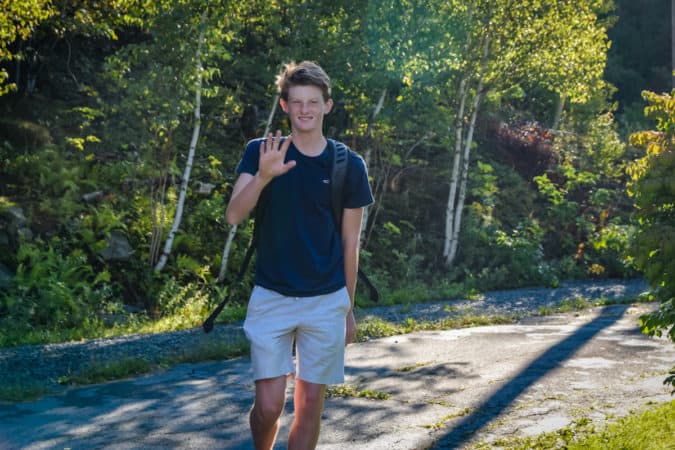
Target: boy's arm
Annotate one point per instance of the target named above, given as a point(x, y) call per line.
point(244, 197)
point(351, 235)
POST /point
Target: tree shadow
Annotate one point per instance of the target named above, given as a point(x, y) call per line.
point(145, 412)
point(465, 429)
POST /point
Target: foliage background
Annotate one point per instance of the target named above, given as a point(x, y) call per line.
point(99, 99)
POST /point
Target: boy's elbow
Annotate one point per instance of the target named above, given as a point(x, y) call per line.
point(232, 218)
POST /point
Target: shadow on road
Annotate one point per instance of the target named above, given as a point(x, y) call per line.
point(461, 432)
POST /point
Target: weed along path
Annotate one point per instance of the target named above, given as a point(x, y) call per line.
point(431, 389)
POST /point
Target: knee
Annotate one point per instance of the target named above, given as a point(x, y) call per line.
point(310, 398)
point(267, 410)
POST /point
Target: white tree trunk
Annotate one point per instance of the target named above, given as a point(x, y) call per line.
point(456, 161)
point(191, 154)
point(454, 177)
point(452, 240)
point(233, 229)
point(457, 218)
point(226, 253)
point(367, 157)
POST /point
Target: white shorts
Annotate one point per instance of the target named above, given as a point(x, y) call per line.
point(317, 323)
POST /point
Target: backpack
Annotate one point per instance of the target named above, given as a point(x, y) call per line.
point(340, 157)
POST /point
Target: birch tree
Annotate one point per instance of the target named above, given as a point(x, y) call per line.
point(193, 146)
point(163, 83)
point(559, 45)
point(401, 51)
point(367, 157)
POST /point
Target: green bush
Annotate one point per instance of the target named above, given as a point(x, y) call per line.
point(399, 261)
point(500, 259)
point(653, 189)
point(53, 290)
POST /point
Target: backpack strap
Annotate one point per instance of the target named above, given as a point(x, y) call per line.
point(340, 158)
point(258, 214)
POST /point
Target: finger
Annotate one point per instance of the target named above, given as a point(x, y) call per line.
point(269, 142)
point(277, 140)
point(288, 166)
point(286, 144)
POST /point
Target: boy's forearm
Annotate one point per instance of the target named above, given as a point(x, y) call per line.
point(351, 271)
point(244, 199)
point(351, 237)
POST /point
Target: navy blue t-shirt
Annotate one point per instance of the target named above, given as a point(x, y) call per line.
point(299, 253)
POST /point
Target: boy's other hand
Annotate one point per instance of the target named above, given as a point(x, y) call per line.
point(350, 336)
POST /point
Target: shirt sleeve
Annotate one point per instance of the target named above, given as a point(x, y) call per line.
point(357, 192)
point(249, 161)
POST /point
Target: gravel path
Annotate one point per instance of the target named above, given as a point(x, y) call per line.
point(514, 302)
point(47, 363)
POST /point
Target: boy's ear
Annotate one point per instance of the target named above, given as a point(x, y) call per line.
point(284, 105)
point(329, 105)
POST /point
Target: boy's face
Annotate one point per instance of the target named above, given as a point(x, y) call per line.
point(305, 108)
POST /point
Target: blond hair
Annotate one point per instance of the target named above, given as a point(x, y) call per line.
point(306, 73)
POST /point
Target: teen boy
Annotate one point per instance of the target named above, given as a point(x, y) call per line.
point(305, 268)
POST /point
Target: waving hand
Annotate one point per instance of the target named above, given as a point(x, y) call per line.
point(273, 155)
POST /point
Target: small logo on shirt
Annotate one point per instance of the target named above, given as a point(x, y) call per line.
point(326, 181)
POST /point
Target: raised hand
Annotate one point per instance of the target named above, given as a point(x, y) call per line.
point(272, 156)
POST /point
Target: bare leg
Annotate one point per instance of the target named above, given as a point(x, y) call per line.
point(270, 396)
point(308, 399)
